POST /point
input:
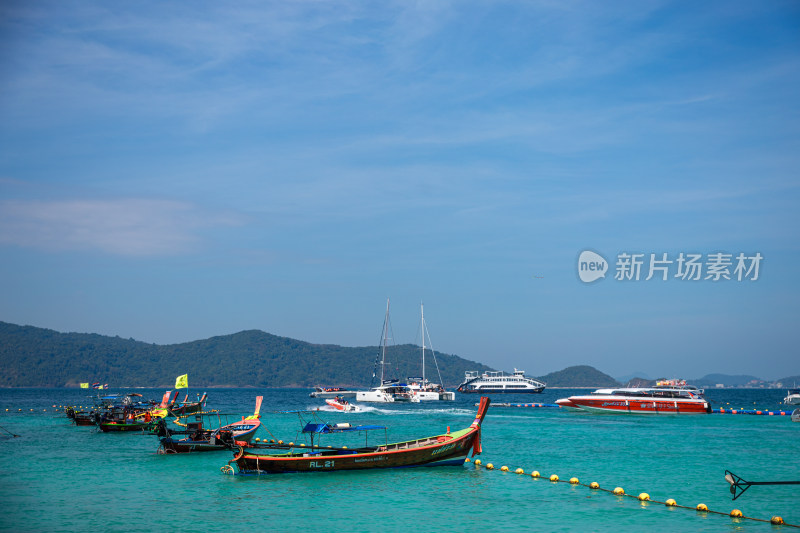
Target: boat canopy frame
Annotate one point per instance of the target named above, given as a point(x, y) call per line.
point(313, 425)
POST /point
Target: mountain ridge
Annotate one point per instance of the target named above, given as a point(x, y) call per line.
point(40, 357)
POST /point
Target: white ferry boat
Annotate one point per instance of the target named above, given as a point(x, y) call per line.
point(499, 382)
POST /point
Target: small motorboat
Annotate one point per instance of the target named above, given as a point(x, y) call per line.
point(340, 404)
point(792, 397)
point(796, 415)
point(331, 392)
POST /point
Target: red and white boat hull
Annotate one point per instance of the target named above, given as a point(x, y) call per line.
point(617, 404)
point(342, 406)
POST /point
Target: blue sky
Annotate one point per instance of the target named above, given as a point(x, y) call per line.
point(176, 171)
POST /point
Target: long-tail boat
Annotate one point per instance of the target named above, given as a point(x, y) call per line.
point(186, 407)
point(196, 438)
point(81, 418)
point(438, 450)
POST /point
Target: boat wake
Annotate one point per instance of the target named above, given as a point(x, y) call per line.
point(331, 409)
point(405, 412)
point(365, 408)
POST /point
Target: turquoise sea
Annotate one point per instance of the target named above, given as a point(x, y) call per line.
point(59, 477)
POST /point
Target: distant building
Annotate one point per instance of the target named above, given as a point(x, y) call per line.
point(720, 385)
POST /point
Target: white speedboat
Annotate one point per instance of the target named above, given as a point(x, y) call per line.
point(499, 382)
point(792, 397)
point(340, 404)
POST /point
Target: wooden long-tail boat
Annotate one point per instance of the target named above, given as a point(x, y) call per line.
point(438, 450)
point(196, 438)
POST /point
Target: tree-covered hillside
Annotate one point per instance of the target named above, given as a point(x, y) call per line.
point(579, 376)
point(36, 357)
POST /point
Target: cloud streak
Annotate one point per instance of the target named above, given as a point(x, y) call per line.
point(127, 227)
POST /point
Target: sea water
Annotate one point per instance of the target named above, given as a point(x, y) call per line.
point(60, 477)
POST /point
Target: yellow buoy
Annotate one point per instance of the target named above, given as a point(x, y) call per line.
point(302, 445)
point(594, 485)
point(702, 507)
point(535, 473)
point(477, 462)
point(736, 513)
point(643, 497)
point(466, 460)
point(519, 471)
point(258, 440)
point(554, 478)
point(670, 503)
point(490, 466)
point(280, 442)
point(573, 480)
point(292, 444)
point(504, 468)
point(619, 491)
point(777, 520)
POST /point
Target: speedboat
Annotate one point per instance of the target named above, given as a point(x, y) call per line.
point(792, 397)
point(661, 399)
point(331, 392)
point(499, 382)
point(340, 404)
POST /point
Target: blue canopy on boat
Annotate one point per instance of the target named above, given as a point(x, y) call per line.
point(312, 427)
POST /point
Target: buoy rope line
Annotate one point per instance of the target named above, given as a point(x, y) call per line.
point(642, 497)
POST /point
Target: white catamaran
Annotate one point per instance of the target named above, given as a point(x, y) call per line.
point(389, 390)
point(421, 387)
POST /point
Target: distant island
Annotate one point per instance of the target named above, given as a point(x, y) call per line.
point(38, 357)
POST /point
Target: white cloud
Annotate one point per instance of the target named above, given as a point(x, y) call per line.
point(130, 227)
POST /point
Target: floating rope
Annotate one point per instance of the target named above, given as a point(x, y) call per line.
point(644, 497)
point(10, 433)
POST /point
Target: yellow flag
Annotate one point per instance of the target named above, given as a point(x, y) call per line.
point(84, 385)
point(182, 382)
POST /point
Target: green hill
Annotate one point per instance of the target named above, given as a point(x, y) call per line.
point(579, 376)
point(36, 357)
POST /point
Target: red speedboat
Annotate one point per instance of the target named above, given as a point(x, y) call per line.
point(664, 399)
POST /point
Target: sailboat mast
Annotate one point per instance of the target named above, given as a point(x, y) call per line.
point(422, 327)
point(385, 336)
